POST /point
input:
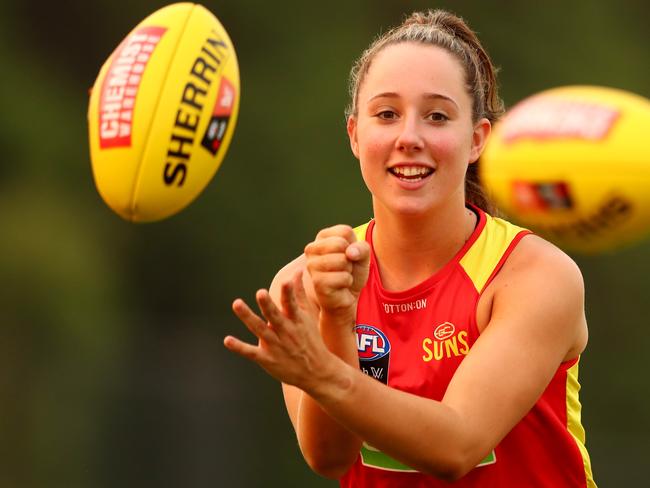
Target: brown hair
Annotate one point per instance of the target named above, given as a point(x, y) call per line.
point(445, 30)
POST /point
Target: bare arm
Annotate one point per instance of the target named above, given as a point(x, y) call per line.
point(329, 448)
point(537, 321)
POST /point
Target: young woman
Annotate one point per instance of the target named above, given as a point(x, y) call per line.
point(468, 328)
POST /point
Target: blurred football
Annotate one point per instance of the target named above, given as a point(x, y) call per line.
point(572, 164)
point(162, 112)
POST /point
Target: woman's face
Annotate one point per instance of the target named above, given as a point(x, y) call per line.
point(413, 134)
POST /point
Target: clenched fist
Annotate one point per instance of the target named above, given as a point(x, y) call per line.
point(338, 265)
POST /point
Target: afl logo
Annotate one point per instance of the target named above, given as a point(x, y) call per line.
point(444, 331)
point(372, 343)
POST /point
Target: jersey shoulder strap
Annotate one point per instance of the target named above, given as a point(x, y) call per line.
point(490, 250)
point(360, 231)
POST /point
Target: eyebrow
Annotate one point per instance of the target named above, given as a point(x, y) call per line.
point(428, 96)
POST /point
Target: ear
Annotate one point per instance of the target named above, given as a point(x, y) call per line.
point(480, 136)
point(352, 134)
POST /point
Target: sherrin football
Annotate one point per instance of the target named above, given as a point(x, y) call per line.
point(162, 112)
point(573, 164)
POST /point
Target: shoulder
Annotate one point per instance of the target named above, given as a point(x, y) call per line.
point(529, 254)
point(542, 286)
point(538, 259)
point(538, 267)
point(287, 272)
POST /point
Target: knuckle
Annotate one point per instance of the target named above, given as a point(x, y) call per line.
point(327, 245)
point(349, 280)
point(341, 230)
point(311, 264)
point(326, 263)
point(349, 234)
point(344, 242)
point(332, 282)
point(323, 233)
point(321, 287)
point(336, 244)
point(343, 280)
point(309, 248)
point(330, 262)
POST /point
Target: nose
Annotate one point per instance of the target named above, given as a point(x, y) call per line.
point(409, 139)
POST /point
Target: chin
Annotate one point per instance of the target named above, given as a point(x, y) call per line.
point(412, 208)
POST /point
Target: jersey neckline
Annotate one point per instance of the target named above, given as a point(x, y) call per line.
point(428, 283)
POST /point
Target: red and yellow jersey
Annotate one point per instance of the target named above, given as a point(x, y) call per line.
point(415, 340)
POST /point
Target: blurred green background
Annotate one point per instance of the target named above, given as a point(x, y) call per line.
point(112, 371)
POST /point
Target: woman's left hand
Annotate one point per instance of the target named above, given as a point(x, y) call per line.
point(289, 345)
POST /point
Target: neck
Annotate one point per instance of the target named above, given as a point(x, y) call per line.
point(410, 249)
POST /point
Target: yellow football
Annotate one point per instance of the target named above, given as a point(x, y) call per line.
point(162, 112)
point(572, 164)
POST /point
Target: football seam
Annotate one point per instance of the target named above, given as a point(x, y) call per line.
point(138, 178)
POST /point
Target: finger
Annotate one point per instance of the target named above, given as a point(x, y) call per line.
point(300, 294)
point(271, 311)
point(340, 230)
point(329, 262)
point(359, 253)
point(252, 321)
point(332, 282)
point(242, 348)
point(327, 245)
point(287, 299)
point(299, 289)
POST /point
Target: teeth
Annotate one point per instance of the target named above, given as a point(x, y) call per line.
point(411, 171)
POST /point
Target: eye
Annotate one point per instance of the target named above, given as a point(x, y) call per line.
point(438, 117)
point(386, 115)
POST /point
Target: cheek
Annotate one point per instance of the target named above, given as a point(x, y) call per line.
point(373, 150)
point(372, 157)
point(450, 145)
point(454, 149)
point(368, 174)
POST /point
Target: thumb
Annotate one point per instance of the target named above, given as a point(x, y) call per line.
point(359, 254)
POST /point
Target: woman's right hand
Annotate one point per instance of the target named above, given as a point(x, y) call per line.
point(338, 265)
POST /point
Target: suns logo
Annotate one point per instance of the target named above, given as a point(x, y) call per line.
point(372, 343)
point(446, 343)
point(444, 331)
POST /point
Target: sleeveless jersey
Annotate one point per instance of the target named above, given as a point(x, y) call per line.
point(415, 340)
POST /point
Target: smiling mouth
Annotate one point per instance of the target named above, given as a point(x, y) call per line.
point(411, 173)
